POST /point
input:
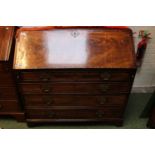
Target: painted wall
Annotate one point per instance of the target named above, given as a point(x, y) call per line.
point(145, 76)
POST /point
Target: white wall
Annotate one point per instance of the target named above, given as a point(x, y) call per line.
point(145, 76)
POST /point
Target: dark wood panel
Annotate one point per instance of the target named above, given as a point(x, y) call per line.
point(48, 76)
point(2, 66)
point(81, 88)
point(75, 100)
point(5, 67)
point(6, 79)
point(72, 113)
point(9, 106)
point(8, 93)
point(110, 121)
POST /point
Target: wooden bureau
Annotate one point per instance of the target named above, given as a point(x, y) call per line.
point(9, 104)
point(75, 74)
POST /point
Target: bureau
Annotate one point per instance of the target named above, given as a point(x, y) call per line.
point(74, 74)
point(9, 104)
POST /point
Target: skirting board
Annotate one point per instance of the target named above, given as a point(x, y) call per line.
point(143, 89)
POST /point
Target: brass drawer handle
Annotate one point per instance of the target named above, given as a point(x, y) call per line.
point(100, 114)
point(49, 102)
point(46, 90)
point(44, 79)
point(105, 76)
point(104, 88)
point(103, 101)
point(51, 114)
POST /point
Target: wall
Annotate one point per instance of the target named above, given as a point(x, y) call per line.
point(145, 77)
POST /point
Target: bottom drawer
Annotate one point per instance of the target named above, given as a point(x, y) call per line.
point(73, 113)
point(9, 106)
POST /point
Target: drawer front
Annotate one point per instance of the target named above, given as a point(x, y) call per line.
point(73, 113)
point(74, 100)
point(7, 93)
point(80, 88)
point(6, 79)
point(9, 106)
point(74, 76)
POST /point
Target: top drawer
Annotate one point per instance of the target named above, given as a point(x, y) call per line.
point(48, 76)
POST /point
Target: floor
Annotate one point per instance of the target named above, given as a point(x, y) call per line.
point(136, 105)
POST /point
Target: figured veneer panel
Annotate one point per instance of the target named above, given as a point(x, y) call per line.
point(6, 35)
point(60, 48)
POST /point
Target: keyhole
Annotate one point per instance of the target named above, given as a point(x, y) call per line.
point(75, 34)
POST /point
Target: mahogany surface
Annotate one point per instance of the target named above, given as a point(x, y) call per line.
point(6, 36)
point(75, 48)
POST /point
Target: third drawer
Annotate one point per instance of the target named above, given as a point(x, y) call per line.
point(75, 100)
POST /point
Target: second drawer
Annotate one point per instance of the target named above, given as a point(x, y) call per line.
point(75, 88)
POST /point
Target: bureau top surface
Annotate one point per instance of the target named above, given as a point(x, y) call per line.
point(6, 36)
point(75, 47)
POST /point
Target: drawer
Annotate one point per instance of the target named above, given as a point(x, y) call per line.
point(77, 88)
point(7, 93)
point(73, 113)
point(9, 106)
point(75, 100)
point(74, 76)
point(6, 79)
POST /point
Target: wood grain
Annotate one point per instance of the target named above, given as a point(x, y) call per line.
point(75, 48)
point(6, 35)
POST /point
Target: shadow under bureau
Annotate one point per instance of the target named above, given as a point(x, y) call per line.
point(75, 74)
